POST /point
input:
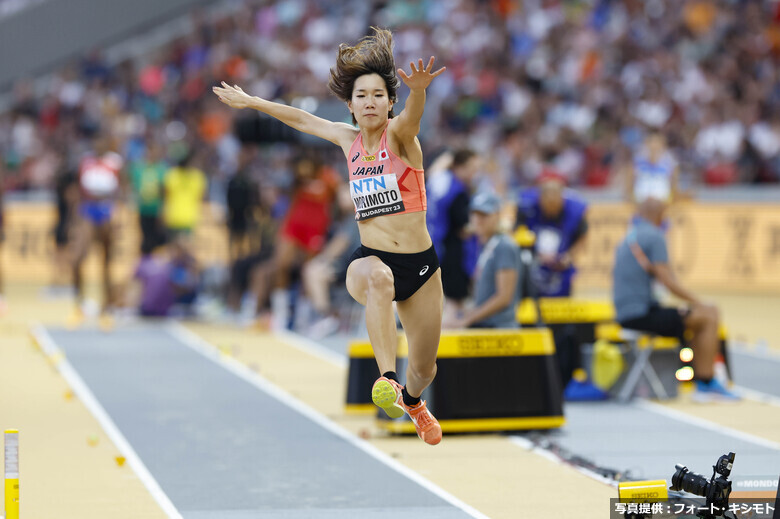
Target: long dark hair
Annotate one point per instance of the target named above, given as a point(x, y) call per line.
point(372, 55)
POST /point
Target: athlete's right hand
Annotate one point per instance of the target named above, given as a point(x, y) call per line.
point(232, 96)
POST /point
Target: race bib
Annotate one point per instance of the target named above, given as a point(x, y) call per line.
point(376, 196)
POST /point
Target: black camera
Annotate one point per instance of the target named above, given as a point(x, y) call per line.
point(716, 490)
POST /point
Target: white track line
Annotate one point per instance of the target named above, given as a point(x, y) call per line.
point(529, 446)
point(763, 354)
point(307, 345)
point(209, 351)
point(706, 424)
point(86, 396)
point(752, 394)
point(758, 396)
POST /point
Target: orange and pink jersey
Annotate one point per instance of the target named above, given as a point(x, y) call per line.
point(382, 183)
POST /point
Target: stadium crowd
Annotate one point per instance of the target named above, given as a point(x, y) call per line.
point(572, 86)
point(577, 83)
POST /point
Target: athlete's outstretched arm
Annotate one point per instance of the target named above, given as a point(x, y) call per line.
point(341, 134)
point(408, 124)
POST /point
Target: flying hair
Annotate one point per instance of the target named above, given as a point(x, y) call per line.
point(372, 55)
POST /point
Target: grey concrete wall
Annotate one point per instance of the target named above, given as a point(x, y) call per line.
point(44, 36)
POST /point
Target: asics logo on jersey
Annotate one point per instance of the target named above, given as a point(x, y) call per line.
point(355, 157)
point(424, 270)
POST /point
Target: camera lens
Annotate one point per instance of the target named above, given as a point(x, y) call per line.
point(691, 482)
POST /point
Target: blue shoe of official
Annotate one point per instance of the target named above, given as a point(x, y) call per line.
point(713, 391)
point(583, 391)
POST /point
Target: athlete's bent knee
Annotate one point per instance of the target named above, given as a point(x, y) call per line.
point(380, 281)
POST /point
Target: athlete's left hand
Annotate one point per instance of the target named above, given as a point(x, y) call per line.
point(232, 96)
point(421, 76)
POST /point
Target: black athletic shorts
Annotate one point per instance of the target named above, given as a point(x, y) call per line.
point(410, 271)
point(659, 320)
point(454, 279)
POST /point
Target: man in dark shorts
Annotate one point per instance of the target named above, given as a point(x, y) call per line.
point(449, 193)
point(643, 258)
point(242, 202)
point(67, 199)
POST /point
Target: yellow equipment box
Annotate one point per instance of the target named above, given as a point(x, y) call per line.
point(487, 380)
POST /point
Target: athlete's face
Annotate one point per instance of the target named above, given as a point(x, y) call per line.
point(370, 104)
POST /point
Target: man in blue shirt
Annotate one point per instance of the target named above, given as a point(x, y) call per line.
point(639, 260)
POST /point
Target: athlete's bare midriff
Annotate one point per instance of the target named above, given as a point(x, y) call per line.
point(401, 233)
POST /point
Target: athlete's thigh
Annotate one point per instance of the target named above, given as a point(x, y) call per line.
point(358, 275)
point(104, 234)
point(421, 319)
point(82, 236)
point(286, 252)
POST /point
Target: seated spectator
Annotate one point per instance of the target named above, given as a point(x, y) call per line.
point(166, 277)
point(151, 290)
point(185, 274)
point(639, 260)
point(557, 217)
point(496, 286)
